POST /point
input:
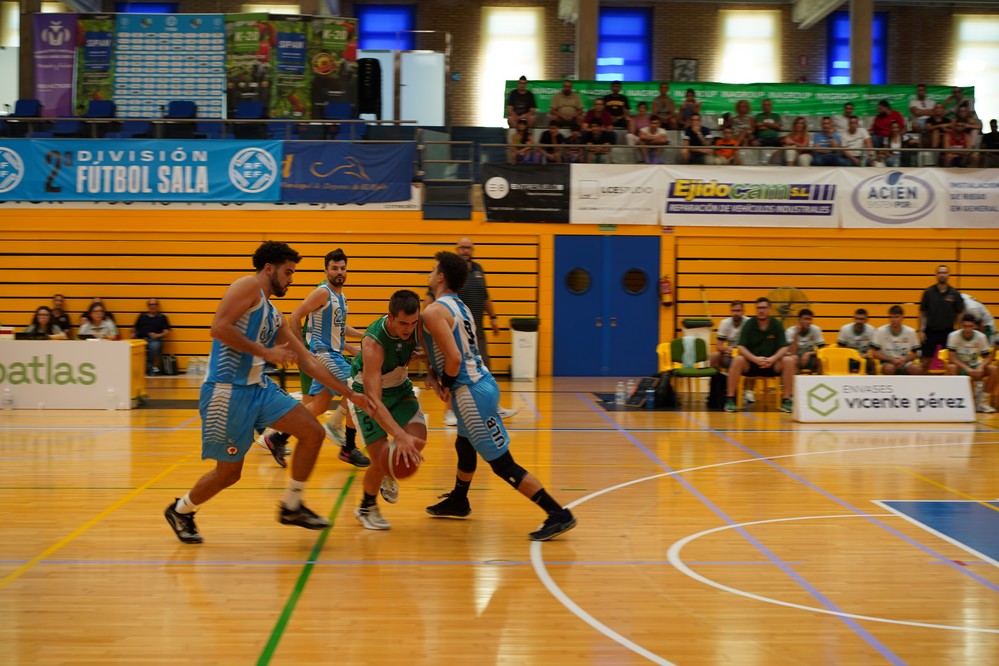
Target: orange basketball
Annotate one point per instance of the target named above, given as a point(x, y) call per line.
point(397, 471)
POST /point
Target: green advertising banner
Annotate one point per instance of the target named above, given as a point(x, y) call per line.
point(333, 62)
point(292, 75)
point(789, 99)
point(249, 40)
point(95, 35)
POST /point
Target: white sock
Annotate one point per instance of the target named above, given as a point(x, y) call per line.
point(293, 495)
point(338, 416)
point(185, 505)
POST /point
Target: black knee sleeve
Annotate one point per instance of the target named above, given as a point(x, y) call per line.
point(467, 458)
point(505, 468)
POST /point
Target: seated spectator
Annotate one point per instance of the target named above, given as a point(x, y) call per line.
point(597, 116)
point(742, 123)
point(152, 326)
point(97, 300)
point(598, 141)
point(826, 146)
point(956, 99)
point(59, 316)
point(796, 141)
point(969, 355)
point(920, 108)
point(957, 145)
point(842, 122)
point(43, 323)
point(892, 155)
point(524, 150)
point(857, 144)
point(567, 106)
point(98, 325)
point(804, 341)
point(520, 104)
point(652, 136)
point(990, 142)
point(767, 126)
point(617, 106)
point(859, 335)
point(696, 140)
point(881, 126)
point(937, 125)
point(727, 338)
point(691, 106)
point(549, 142)
point(762, 353)
point(572, 155)
point(664, 107)
point(897, 346)
point(639, 119)
point(966, 116)
point(728, 154)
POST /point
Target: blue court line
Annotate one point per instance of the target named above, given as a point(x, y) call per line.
point(868, 637)
point(973, 525)
point(531, 404)
point(843, 503)
point(378, 563)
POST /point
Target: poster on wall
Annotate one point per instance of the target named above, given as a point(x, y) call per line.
point(892, 198)
point(615, 194)
point(333, 62)
point(526, 193)
point(249, 39)
point(94, 59)
point(970, 197)
point(291, 76)
point(55, 58)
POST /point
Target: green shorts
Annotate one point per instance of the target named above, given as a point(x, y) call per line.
point(401, 403)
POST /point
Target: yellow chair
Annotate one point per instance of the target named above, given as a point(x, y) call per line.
point(670, 355)
point(763, 387)
point(836, 360)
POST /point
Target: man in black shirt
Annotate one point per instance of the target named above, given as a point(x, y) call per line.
point(59, 316)
point(938, 313)
point(152, 326)
point(617, 105)
point(520, 105)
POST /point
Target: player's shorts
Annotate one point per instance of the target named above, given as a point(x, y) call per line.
point(868, 364)
point(963, 372)
point(338, 366)
point(477, 408)
point(725, 360)
point(810, 364)
point(401, 403)
point(904, 368)
point(756, 371)
point(231, 413)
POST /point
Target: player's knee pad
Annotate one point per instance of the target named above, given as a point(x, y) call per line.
point(467, 457)
point(505, 468)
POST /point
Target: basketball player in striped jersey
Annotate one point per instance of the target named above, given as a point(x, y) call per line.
point(460, 378)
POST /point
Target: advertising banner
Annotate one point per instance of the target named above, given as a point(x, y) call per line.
point(969, 197)
point(332, 61)
point(139, 170)
point(164, 57)
point(526, 193)
point(615, 194)
point(248, 59)
point(291, 76)
point(882, 399)
point(94, 59)
point(742, 196)
point(318, 172)
point(892, 198)
point(55, 58)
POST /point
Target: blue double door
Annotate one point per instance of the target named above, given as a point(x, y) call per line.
point(606, 306)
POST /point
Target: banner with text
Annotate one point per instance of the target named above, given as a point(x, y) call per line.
point(618, 194)
point(320, 172)
point(94, 59)
point(139, 170)
point(526, 193)
point(55, 58)
point(882, 399)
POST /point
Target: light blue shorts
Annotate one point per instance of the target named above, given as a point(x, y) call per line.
point(230, 414)
point(338, 366)
point(477, 409)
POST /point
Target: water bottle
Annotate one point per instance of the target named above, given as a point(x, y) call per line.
point(619, 395)
point(8, 398)
point(630, 388)
point(112, 399)
point(650, 398)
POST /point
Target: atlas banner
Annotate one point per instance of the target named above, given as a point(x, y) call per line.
point(332, 60)
point(882, 399)
point(789, 99)
point(526, 192)
point(742, 196)
point(321, 172)
point(615, 194)
point(139, 170)
point(55, 58)
point(95, 35)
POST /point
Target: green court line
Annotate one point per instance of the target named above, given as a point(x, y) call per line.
point(303, 578)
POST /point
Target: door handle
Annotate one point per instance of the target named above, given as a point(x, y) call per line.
point(613, 322)
point(599, 322)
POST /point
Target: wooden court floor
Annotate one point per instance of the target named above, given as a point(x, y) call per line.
point(703, 538)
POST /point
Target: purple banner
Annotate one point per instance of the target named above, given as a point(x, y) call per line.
point(55, 59)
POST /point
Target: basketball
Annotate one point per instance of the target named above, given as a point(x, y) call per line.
point(388, 463)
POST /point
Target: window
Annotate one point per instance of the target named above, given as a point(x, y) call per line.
point(271, 9)
point(976, 38)
point(512, 46)
point(10, 21)
point(838, 54)
point(382, 27)
point(146, 7)
point(752, 46)
point(624, 51)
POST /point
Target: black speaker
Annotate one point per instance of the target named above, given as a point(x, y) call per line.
point(369, 86)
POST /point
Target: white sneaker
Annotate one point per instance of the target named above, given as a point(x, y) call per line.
point(450, 419)
point(506, 413)
point(372, 518)
point(260, 439)
point(985, 408)
point(748, 396)
point(389, 489)
point(335, 434)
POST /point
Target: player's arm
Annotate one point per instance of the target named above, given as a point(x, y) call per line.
point(437, 321)
point(309, 365)
point(241, 295)
point(312, 302)
point(406, 449)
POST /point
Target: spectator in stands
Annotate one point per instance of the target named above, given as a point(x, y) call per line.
point(957, 144)
point(549, 142)
point(956, 99)
point(729, 153)
point(59, 316)
point(741, 122)
point(938, 311)
point(842, 122)
point(598, 141)
point(857, 144)
point(767, 126)
point(664, 107)
point(920, 108)
point(152, 326)
point(696, 140)
point(826, 146)
point(43, 323)
point(897, 346)
point(969, 355)
point(639, 119)
point(804, 341)
point(97, 300)
point(966, 117)
point(520, 104)
point(617, 106)
point(990, 142)
point(691, 106)
point(762, 353)
point(567, 106)
point(859, 335)
point(98, 324)
point(653, 137)
point(892, 155)
point(936, 126)
point(881, 126)
point(572, 155)
point(598, 115)
point(796, 141)
point(728, 338)
point(524, 150)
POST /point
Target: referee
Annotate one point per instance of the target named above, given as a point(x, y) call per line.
point(940, 308)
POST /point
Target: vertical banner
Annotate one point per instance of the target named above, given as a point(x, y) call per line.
point(892, 198)
point(249, 41)
point(526, 193)
point(94, 59)
point(164, 57)
point(615, 194)
point(333, 61)
point(291, 76)
point(55, 58)
point(320, 172)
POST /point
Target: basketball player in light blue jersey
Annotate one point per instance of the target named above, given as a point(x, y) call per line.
point(458, 376)
point(325, 312)
point(237, 397)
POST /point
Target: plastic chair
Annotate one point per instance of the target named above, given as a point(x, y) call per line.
point(764, 387)
point(688, 374)
point(836, 360)
point(23, 108)
point(180, 109)
point(99, 108)
point(132, 129)
point(338, 111)
point(249, 110)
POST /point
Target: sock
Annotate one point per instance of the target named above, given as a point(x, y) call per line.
point(545, 501)
point(185, 505)
point(369, 501)
point(341, 412)
point(460, 489)
point(293, 495)
point(350, 439)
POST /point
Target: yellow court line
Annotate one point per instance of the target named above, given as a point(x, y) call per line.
point(948, 489)
point(17, 573)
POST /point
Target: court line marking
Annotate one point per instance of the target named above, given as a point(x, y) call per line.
point(17, 573)
point(673, 555)
point(949, 489)
point(963, 546)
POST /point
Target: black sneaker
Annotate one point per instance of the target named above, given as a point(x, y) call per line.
point(182, 524)
point(555, 524)
point(354, 457)
point(277, 449)
point(450, 507)
point(303, 517)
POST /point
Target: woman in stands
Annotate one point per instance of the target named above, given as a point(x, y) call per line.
point(43, 323)
point(798, 139)
point(893, 156)
point(98, 325)
point(527, 152)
